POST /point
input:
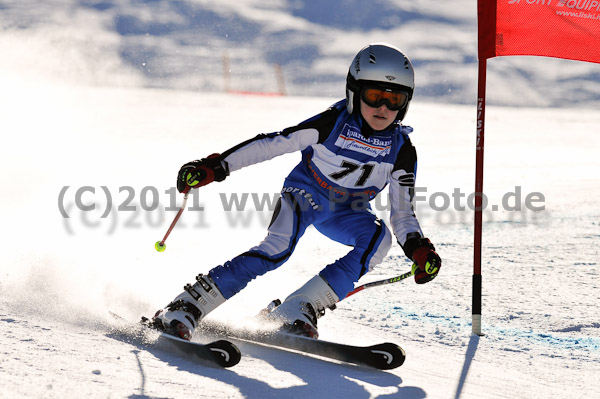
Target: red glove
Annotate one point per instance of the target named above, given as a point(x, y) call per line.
point(427, 261)
point(201, 172)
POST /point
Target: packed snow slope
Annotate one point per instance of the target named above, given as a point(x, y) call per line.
point(187, 44)
point(61, 276)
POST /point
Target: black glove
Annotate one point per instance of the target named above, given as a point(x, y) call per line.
point(201, 172)
point(427, 261)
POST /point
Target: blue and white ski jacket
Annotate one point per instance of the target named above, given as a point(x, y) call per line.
point(341, 161)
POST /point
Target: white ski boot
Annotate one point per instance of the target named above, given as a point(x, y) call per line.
point(182, 315)
point(301, 309)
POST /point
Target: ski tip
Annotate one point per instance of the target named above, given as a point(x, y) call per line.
point(225, 353)
point(386, 356)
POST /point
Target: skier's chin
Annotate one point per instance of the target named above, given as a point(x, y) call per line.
point(379, 123)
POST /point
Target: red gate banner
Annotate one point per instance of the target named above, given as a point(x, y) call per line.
point(567, 29)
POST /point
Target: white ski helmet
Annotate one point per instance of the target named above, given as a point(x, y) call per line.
point(380, 65)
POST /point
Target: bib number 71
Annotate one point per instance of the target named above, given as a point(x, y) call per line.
point(350, 167)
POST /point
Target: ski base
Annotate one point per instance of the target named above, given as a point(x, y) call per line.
point(383, 356)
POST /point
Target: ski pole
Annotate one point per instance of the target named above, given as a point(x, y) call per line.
point(160, 246)
point(382, 282)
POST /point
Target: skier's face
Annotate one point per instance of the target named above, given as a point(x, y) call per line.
point(378, 118)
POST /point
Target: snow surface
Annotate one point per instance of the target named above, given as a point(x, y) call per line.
point(61, 276)
point(91, 124)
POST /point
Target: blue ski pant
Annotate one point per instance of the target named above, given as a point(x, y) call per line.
point(297, 209)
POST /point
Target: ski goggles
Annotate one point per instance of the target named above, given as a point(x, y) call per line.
point(376, 97)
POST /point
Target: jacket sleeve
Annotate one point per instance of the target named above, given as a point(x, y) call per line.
point(267, 146)
point(402, 218)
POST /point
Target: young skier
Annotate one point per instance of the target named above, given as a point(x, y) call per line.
point(350, 153)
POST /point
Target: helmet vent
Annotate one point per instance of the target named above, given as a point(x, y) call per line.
point(372, 58)
point(390, 77)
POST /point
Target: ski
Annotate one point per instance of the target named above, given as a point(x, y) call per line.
point(384, 356)
point(222, 352)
